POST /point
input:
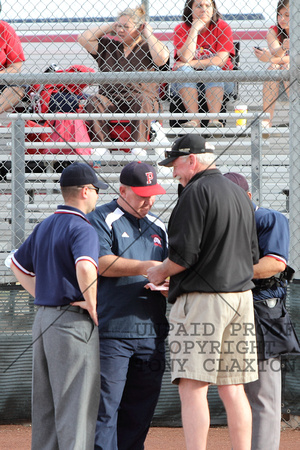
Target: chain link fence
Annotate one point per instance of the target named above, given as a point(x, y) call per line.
point(107, 85)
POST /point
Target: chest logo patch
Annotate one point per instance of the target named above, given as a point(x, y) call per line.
point(125, 235)
point(156, 240)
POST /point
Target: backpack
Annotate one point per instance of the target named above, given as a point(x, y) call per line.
point(69, 131)
point(40, 94)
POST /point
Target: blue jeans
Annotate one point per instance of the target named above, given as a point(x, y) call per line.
point(131, 376)
point(228, 87)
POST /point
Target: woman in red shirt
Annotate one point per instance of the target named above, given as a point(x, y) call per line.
point(11, 60)
point(202, 42)
point(277, 54)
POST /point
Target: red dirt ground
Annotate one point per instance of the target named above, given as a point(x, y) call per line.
point(18, 437)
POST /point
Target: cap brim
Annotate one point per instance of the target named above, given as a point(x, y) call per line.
point(148, 191)
point(166, 162)
point(99, 184)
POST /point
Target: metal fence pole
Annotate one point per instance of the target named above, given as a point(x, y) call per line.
point(256, 162)
point(248, 76)
point(294, 118)
point(18, 183)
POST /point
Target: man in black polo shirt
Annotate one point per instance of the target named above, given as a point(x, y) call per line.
point(212, 249)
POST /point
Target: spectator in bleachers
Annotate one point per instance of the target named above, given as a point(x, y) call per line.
point(277, 54)
point(11, 60)
point(203, 41)
point(135, 48)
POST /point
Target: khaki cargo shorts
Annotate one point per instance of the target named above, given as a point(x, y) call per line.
point(212, 338)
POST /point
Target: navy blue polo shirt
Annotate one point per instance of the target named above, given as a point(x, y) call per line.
point(126, 309)
point(273, 240)
point(51, 252)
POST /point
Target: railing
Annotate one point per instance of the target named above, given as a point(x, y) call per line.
point(99, 78)
point(254, 130)
point(19, 146)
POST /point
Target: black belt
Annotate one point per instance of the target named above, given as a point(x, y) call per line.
point(71, 308)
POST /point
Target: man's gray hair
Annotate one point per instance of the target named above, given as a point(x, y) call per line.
point(206, 158)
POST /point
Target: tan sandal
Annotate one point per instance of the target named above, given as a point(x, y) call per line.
point(215, 124)
point(191, 124)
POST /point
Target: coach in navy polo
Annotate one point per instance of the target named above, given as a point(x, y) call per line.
point(132, 322)
point(57, 264)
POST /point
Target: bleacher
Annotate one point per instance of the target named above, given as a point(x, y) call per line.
point(233, 147)
point(57, 42)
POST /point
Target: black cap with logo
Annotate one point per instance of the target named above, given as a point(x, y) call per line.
point(186, 145)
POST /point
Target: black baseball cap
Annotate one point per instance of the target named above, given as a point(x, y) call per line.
point(186, 145)
point(238, 179)
point(78, 174)
point(142, 179)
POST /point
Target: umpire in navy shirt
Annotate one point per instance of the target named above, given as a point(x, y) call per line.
point(57, 264)
point(269, 295)
point(132, 322)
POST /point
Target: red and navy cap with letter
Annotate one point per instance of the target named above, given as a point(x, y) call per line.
point(79, 174)
point(238, 179)
point(142, 179)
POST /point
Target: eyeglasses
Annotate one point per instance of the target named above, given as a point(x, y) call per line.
point(91, 188)
point(125, 27)
point(94, 189)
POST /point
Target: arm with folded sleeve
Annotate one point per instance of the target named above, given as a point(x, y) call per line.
point(27, 281)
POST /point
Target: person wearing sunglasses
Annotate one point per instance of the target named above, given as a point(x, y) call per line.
point(57, 265)
point(212, 249)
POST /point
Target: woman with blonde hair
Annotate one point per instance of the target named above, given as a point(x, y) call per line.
point(127, 45)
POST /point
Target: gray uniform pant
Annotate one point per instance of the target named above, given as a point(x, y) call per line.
point(264, 396)
point(66, 380)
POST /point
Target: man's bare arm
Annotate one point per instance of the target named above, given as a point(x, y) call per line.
point(157, 275)
point(86, 273)
point(116, 266)
point(267, 267)
point(27, 281)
